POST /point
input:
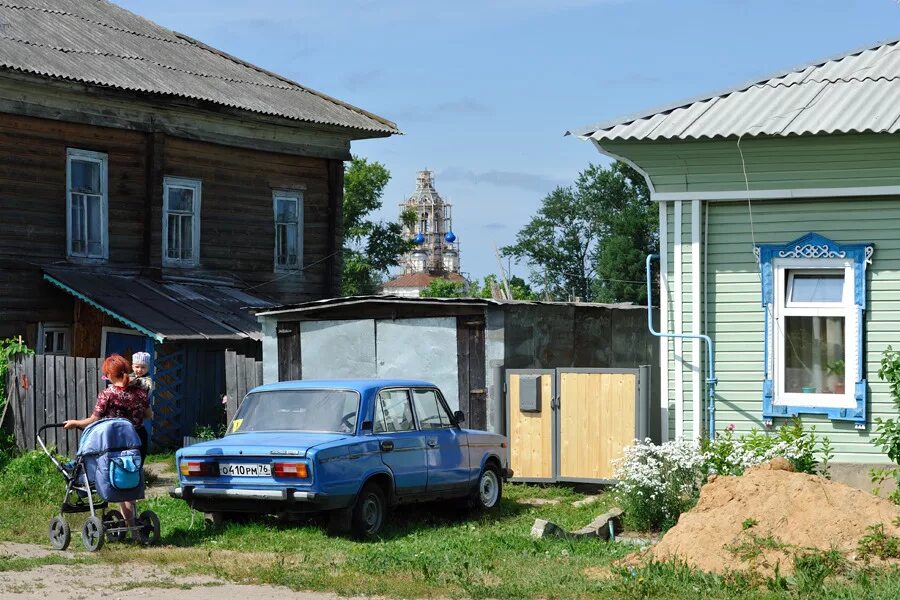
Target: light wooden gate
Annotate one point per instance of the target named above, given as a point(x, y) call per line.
point(572, 424)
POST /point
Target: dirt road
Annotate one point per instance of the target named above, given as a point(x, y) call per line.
point(127, 581)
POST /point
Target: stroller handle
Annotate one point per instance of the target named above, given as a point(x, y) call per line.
point(48, 426)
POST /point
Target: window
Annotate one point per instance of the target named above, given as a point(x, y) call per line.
point(86, 204)
point(814, 296)
point(54, 338)
point(392, 412)
point(181, 222)
point(429, 410)
point(288, 230)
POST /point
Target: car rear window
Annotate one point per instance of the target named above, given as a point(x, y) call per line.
point(298, 410)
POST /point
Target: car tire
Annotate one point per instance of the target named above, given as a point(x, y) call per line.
point(488, 491)
point(369, 512)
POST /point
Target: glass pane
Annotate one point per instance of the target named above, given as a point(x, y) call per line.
point(76, 233)
point(280, 244)
point(94, 226)
point(85, 176)
point(286, 210)
point(181, 199)
point(817, 288)
point(187, 237)
point(48, 342)
point(60, 342)
point(291, 246)
point(431, 414)
point(393, 412)
point(297, 410)
point(173, 247)
point(814, 355)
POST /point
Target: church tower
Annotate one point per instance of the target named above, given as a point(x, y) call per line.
point(437, 250)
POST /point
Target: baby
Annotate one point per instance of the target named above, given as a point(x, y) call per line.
point(140, 366)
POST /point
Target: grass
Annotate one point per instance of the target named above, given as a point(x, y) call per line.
point(433, 550)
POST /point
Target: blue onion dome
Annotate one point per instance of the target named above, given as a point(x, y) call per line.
point(450, 237)
point(419, 239)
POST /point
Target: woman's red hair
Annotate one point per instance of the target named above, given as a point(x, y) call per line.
point(116, 366)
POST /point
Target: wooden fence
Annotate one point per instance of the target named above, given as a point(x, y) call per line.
point(51, 389)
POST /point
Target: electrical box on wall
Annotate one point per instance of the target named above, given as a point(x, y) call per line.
point(530, 394)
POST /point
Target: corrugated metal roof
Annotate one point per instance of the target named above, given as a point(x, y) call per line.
point(96, 42)
point(856, 92)
point(387, 299)
point(165, 310)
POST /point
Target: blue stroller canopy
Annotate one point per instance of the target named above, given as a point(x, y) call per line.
point(108, 435)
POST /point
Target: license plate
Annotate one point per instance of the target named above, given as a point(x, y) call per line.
point(244, 470)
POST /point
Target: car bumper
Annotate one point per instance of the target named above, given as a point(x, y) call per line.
point(287, 495)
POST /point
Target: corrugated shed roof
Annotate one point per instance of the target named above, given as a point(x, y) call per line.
point(856, 92)
point(97, 42)
point(162, 309)
point(387, 299)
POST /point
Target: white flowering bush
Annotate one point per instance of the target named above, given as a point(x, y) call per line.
point(658, 483)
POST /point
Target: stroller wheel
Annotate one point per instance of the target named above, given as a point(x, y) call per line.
point(113, 519)
point(149, 527)
point(60, 533)
point(92, 535)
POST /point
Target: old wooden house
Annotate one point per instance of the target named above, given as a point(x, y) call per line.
point(155, 189)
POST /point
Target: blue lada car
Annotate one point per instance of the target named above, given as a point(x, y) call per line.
point(353, 448)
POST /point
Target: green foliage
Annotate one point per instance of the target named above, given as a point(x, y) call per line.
point(8, 348)
point(210, 432)
point(748, 523)
point(876, 543)
point(888, 438)
point(370, 247)
point(32, 477)
point(444, 288)
point(590, 240)
point(731, 455)
point(813, 567)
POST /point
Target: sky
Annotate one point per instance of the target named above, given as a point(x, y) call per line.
point(484, 90)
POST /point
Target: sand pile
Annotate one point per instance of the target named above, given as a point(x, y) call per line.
point(765, 516)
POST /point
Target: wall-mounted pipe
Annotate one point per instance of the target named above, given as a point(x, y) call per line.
point(711, 380)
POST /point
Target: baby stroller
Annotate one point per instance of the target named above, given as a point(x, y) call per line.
point(107, 468)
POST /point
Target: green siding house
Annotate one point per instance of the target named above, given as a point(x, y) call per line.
point(779, 210)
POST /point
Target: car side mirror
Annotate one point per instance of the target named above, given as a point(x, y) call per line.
point(459, 416)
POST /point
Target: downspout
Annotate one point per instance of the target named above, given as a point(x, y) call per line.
point(711, 380)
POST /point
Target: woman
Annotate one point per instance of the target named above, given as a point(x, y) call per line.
point(119, 400)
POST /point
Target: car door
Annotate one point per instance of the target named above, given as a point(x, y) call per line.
point(448, 456)
point(402, 446)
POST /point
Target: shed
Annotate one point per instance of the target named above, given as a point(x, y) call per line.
point(465, 345)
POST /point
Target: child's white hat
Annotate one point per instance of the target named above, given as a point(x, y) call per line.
point(140, 358)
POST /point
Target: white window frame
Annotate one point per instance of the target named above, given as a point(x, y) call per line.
point(64, 328)
point(783, 274)
point(196, 185)
point(296, 195)
point(102, 159)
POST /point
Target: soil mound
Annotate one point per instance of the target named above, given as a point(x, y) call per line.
point(767, 515)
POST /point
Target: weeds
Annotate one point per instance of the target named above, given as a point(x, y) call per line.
point(812, 568)
point(878, 544)
point(748, 523)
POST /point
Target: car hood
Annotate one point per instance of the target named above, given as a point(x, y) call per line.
point(275, 443)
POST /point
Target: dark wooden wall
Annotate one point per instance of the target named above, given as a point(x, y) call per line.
point(237, 221)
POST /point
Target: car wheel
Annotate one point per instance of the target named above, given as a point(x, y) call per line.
point(369, 512)
point(486, 495)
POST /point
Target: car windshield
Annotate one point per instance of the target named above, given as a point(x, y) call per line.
point(298, 410)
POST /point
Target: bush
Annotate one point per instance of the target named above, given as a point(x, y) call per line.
point(658, 483)
point(32, 478)
point(888, 438)
point(730, 455)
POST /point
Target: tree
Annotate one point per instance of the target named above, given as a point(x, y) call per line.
point(590, 240)
point(370, 247)
point(443, 288)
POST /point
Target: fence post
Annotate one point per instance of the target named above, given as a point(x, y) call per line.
point(231, 386)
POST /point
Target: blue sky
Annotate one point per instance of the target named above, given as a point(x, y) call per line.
point(484, 90)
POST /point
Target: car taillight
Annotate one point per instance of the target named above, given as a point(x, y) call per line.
point(290, 469)
point(192, 468)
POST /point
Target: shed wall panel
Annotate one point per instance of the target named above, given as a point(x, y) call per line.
point(337, 349)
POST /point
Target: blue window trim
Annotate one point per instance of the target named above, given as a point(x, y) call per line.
point(813, 246)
